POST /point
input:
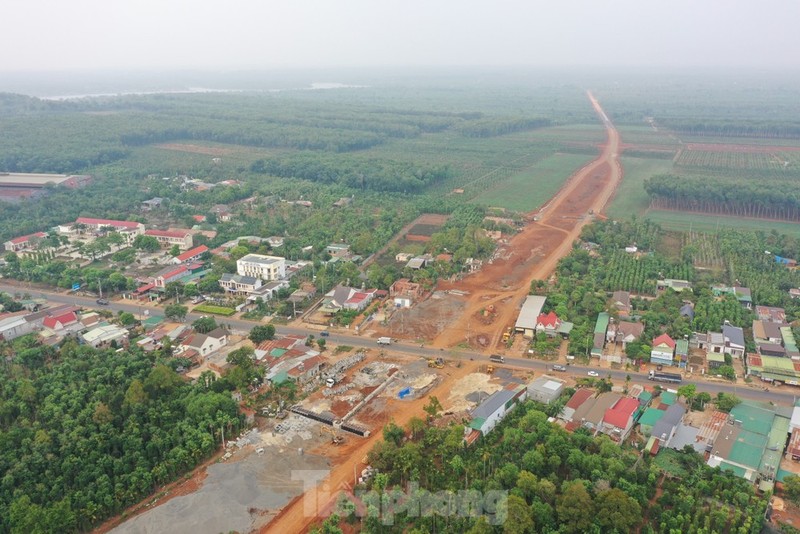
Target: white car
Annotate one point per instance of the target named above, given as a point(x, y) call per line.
point(593, 373)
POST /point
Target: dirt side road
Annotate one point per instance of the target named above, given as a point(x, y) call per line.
point(533, 254)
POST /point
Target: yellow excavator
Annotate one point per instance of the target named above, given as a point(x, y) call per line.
point(336, 439)
point(438, 363)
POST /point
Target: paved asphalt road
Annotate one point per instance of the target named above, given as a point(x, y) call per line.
point(783, 394)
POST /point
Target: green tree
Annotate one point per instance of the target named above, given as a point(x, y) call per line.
point(688, 392)
point(146, 243)
point(575, 507)
point(518, 517)
point(321, 343)
point(791, 486)
point(204, 325)
point(173, 289)
point(175, 250)
point(617, 511)
point(259, 334)
point(726, 401)
point(727, 372)
point(126, 319)
point(176, 312)
point(433, 407)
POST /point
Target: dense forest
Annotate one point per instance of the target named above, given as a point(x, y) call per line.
point(774, 199)
point(555, 481)
point(85, 433)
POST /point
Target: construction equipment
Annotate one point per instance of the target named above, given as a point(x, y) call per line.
point(490, 369)
point(507, 334)
point(438, 363)
point(336, 439)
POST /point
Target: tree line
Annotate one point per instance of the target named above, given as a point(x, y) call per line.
point(774, 199)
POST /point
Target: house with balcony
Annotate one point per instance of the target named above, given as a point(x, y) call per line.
point(237, 284)
point(663, 350)
point(169, 238)
point(262, 266)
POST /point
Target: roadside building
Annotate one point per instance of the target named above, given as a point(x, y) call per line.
point(545, 389)
point(261, 266)
point(491, 411)
point(663, 350)
point(531, 309)
point(239, 285)
point(190, 256)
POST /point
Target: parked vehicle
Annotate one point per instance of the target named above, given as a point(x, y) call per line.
point(384, 341)
point(324, 333)
point(559, 368)
point(593, 373)
point(497, 358)
point(102, 302)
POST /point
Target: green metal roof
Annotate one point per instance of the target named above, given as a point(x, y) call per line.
point(754, 418)
point(280, 378)
point(477, 423)
point(771, 459)
point(682, 347)
point(601, 325)
point(645, 396)
point(748, 449)
point(277, 353)
point(668, 398)
point(155, 320)
point(650, 417)
point(738, 471)
point(715, 357)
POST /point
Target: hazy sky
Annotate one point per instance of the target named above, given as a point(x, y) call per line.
point(253, 34)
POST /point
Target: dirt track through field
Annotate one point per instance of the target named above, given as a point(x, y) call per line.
point(532, 254)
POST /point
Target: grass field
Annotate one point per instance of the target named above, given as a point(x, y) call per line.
point(646, 135)
point(631, 198)
point(529, 189)
point(684, 221)
point(216, 310)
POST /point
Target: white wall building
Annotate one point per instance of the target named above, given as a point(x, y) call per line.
point(260, 266)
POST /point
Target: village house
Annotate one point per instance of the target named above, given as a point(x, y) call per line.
point(771, 314)
point(403, 257)
point(275, 241)
point(491, 411)
point(618, 420)
point(61, 321)
point(190, 256)
point(729, 341)
point(624, 332)
point(742, 294)
point(548, 323)
point(267, 291)
point(105, 335)
point(21, 243)
point(676, 285)
point(153, 203)
point(339, 251)
point(222, 212)
point(767, 332)
point(306, 370)
point(576, 401)
point(600, 332)
point(170, 274)
point(261, 266)
point(169, 238)
point(545, 389)
point(238, 284)
point(663, 350)
point(621, 301)
point(591, 413)
point(420, 262)
point(205, 344)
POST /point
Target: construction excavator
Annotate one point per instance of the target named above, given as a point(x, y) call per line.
point(336, 438)
point(438, 363)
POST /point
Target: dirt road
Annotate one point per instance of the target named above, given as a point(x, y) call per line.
point(532, 254)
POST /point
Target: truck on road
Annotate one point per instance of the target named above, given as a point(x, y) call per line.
point(384, 341)
point(673, 378)
point(497, 358)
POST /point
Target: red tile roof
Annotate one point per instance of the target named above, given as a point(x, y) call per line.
point(26, 238)
point(65, 319)
point(665, 339)
point(548, 319)
point(620, 414)
point(199, 218)
point(107, 222)
point(146, 287)
point(189, 254)
point(578, 398)
point(176, 271)
point(167, 233)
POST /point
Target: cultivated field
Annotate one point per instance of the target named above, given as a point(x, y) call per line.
point(685, 221)
point(631, 198)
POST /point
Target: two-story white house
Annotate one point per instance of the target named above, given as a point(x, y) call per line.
point(261, 266)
